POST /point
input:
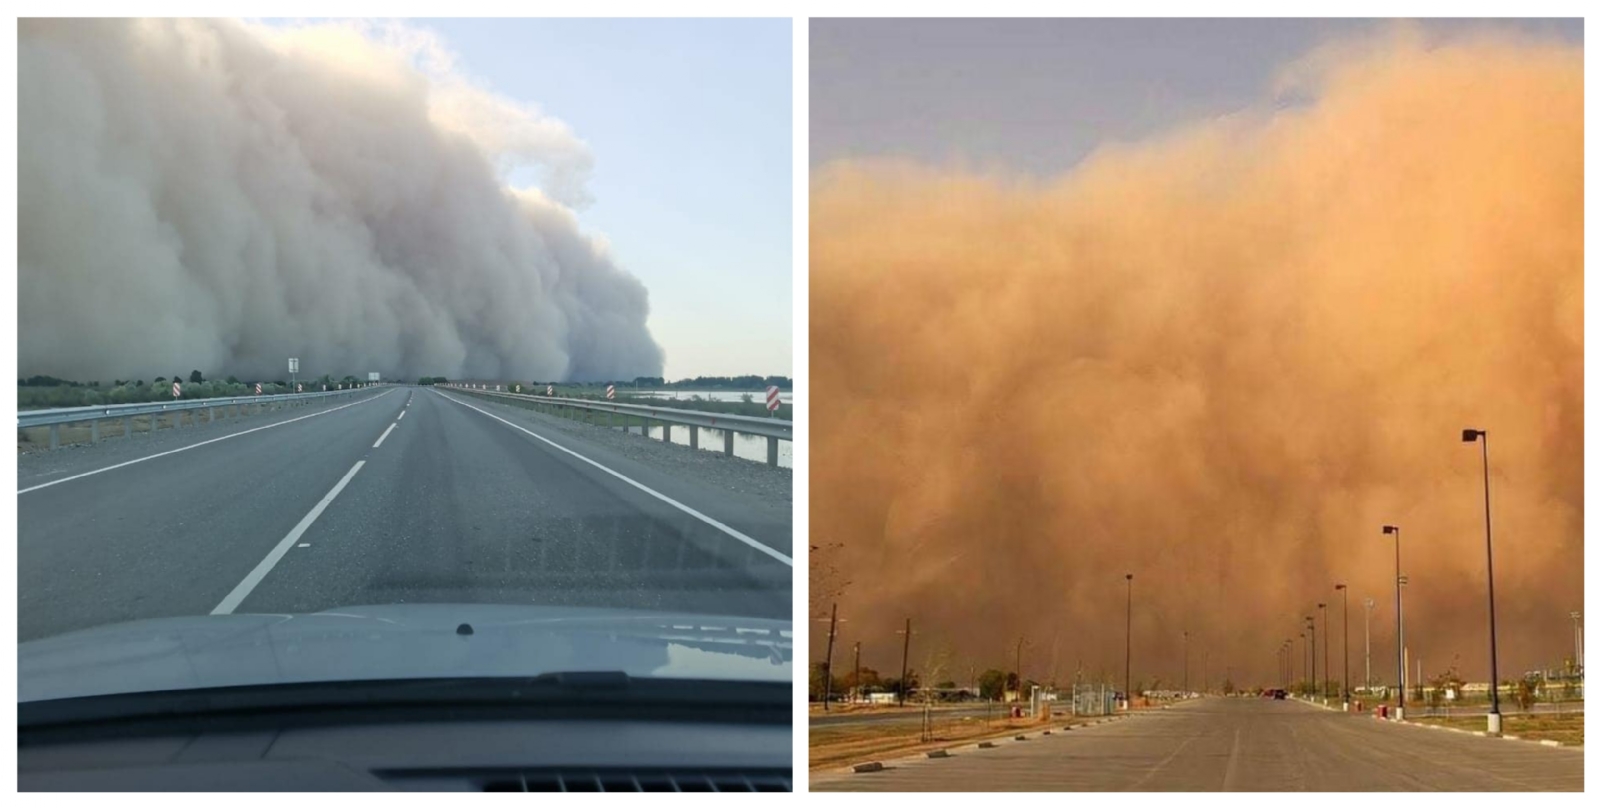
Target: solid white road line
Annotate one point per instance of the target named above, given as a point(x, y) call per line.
point(636, 484)
point(244, 588)
point(385, 434)
point(197, 445)
point(402, 415)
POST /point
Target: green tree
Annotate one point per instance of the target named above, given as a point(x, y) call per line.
point(991, 684)
point(194, 376)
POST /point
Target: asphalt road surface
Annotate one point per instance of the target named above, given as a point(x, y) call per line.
point(403, 495)
point(1234, 744)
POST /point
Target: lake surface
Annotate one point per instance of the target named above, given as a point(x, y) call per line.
point(749, 447)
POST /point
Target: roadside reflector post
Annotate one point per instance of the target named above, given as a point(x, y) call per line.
point(94, 431)
point(666, 431)
point(55, 436)
point(727, 442)
point(211, 414)
point(694, 436)
point(772, 451)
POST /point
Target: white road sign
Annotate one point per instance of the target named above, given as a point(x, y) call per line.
point(294, 365)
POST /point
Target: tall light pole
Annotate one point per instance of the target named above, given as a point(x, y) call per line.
point(1323, 607)
point(1399, 627)
point(1186, 662)
point(1577, 641)
point(1344, 681)
point(1473, 436)
point(1367, 682)
point(905, 655)
point(1311, 630)
point(1127, 660)
point(1304, 658)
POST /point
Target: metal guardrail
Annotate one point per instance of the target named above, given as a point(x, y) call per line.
point(773, 429)
point(93, 415)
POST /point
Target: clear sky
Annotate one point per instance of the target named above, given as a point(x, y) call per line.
point(1036, 96)
point(690, 125)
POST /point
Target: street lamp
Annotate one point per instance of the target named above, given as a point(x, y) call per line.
point(1186, 663)
point(1305, 657)
point(1472, 436)
point(1399, 627)
point(1367, 634)
point(1311, 629)
point(1323, 607)
point(1577, 641)
point(1344, 681)
point(1127, 661)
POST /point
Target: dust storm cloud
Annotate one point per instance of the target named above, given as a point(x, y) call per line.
point(1219, 359)
point(222, 195)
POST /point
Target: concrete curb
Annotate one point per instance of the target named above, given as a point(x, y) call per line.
point(947, 752)
point(1477, 732)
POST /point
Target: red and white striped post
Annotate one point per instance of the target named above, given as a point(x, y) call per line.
point(177, 391)
point(258, 388)
point(611, 392)
point(773, 400)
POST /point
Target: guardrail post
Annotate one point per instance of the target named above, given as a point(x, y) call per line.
point(727, 442)
point(772, 451)
point(55, 436)
point(211, 414)
point(694, 436)
point(645, 429)
point(94, 431)
point(666, 431)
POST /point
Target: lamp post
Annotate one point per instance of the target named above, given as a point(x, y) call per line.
point(1399, 627)
point(1473, 436)
point(1344, 680)
point(1367, 634)
point(1186, 663)
point(1127, 660)
point(1577, 641)
point(1323, 607)
point(1306, 656)
point(1311, 630)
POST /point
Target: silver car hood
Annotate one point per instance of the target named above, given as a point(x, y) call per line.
point(406, 641)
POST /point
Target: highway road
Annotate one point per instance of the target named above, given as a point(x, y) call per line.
point(403, 495)
point(1225, 744)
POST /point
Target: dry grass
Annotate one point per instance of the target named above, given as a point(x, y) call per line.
point(35, 439)
point(1567, 728)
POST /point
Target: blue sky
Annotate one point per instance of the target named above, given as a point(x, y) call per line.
point(1036, 96)
point(689, 123)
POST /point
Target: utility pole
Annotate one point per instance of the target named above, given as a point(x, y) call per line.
point(905, 656)
point(1185, 662)
point(827, 666)
point(1019, 667)
point(857, 680)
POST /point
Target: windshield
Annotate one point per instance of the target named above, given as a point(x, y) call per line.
point(360, 351)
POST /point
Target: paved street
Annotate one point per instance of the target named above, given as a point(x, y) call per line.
point(401, 495)
point(1225, 744)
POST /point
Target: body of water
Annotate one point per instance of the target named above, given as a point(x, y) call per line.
point(749, 447)
point(785, 396)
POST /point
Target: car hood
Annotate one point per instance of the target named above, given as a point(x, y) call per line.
point(405, 641)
